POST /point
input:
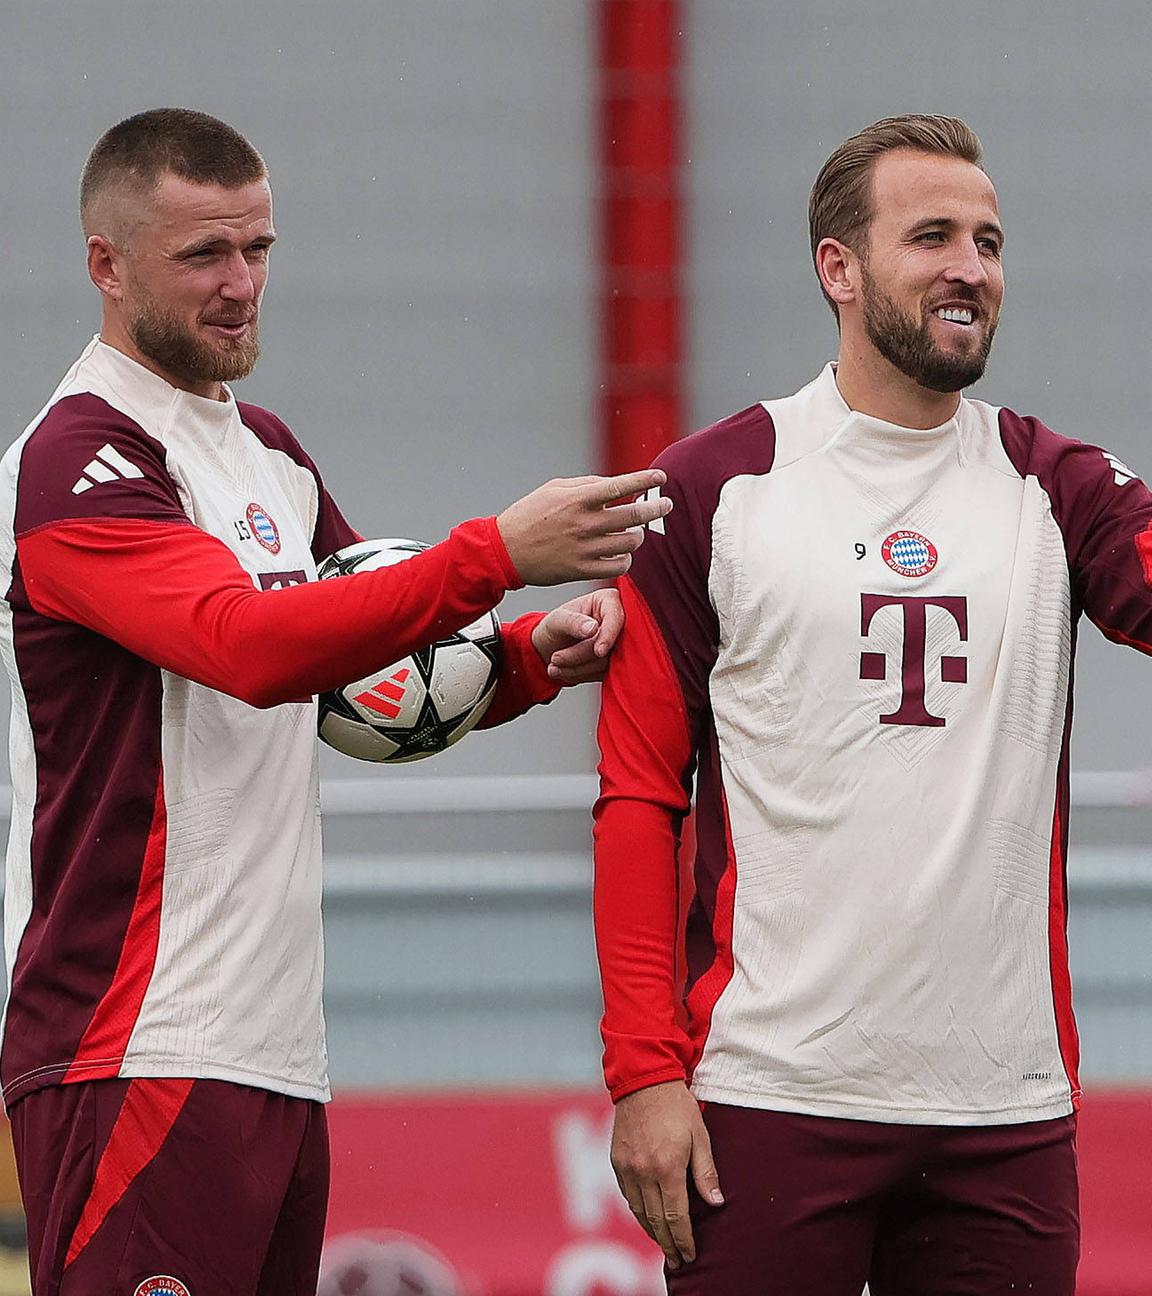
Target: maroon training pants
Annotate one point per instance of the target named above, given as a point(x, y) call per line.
point(817, 1207)
point(171, 1188)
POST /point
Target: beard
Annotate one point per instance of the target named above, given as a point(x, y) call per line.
point(163, 337)
point(909, 346)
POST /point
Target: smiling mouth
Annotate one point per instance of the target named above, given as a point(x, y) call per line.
point(956, 314)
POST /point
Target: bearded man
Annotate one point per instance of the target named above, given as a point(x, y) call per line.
point(856, 633)
point(163, 1057)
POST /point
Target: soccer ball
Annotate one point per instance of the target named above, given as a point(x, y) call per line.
point(422, 704)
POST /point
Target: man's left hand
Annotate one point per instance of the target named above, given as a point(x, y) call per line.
point(576, 638)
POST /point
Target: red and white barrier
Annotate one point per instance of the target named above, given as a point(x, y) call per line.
point(512, 1195)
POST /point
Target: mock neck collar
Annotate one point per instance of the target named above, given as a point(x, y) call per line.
point(829, 391)
point(157, 391)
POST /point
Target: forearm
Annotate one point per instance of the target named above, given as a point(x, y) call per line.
point(524, 680)
point(636, 910)
point(178, 598)
point(645, 766)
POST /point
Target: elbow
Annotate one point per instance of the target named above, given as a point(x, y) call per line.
point(266, 698)
point(264, 691)
point(262, 699)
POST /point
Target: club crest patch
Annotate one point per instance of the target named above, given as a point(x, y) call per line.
point(909, 553)
point(263, 528)
point(162, 1285)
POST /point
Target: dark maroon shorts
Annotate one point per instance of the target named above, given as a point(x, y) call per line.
point(171, 1188)
point(818, 1207)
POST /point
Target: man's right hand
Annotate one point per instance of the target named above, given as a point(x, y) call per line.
point(575, 528)
point(658, 1134)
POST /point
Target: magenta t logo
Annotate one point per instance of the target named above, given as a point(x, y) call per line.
point(874, 665)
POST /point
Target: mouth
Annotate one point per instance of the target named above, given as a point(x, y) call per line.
point(230, 328)
point(961, 316)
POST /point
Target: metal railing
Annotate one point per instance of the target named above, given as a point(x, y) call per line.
point(473, 794)
point(395, 872)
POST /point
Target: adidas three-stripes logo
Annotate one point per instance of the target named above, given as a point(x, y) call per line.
point(1121, 473)
point(109, 465)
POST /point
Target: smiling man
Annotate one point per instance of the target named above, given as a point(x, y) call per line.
point(163, 1058)
point(855, 635)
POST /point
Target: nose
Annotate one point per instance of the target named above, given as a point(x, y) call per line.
point(239, 282)
point(968, 266)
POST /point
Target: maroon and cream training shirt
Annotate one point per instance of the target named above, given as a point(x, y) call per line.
point(857, 639)
point(164, 633)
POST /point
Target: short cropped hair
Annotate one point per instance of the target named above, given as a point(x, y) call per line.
point(139, 151)
point(840, 205)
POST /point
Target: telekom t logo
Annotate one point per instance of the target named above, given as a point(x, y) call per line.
point(874, 665)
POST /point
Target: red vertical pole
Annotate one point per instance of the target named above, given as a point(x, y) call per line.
point(641, 231)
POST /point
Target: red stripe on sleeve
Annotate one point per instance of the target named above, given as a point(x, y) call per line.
point(101, 1050)
point(178, 597)
point(146, 1118)
point(1058, 961)
point(646, 754)
point(1144, 550)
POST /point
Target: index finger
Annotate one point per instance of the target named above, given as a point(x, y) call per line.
point(609, 489)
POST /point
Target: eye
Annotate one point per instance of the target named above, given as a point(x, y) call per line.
point(989, 245)
point(931, 236)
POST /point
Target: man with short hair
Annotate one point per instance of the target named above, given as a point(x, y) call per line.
point(163, 1056)
point(856, 632)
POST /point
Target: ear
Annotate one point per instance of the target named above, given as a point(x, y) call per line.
point(105, 266)
point(839, 270)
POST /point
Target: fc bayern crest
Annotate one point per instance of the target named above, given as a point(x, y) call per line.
point(162, 1285)
point(264, 528)
point(909, 553)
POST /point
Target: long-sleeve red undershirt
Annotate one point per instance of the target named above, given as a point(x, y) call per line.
point(177, 597)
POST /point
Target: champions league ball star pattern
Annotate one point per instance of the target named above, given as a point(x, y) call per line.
point(416, 707)
point(909, 553)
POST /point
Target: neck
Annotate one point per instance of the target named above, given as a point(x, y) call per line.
point(872, 385)
point(113, 334)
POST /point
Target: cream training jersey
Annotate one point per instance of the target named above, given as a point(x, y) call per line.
point(164, 633)
point(857, 638)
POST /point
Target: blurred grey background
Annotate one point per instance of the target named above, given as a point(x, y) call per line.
point(430, 334)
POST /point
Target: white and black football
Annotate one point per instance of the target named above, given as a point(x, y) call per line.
point(422, 704)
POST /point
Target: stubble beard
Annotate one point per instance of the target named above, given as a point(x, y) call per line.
point(908, 345)
point(164, 339)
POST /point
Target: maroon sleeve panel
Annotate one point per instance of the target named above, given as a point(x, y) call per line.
point(87, 460)
point(645, 749)
point(671, 569)
point(524, 680)
point(655, 720)
point(193, 609)
point(332, 532)
point(1104, 512)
